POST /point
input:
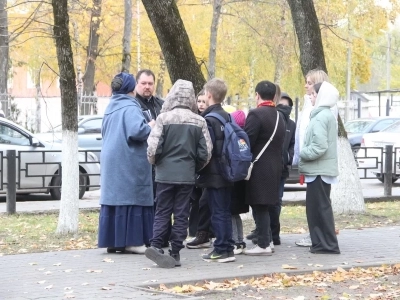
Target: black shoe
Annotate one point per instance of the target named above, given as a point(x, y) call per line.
point(222, 258)
point(201, 241)
point(115, 249)
point(323, 252)
point(255, 241)
point(162, 260)
point(252, 235)
point(177, 258)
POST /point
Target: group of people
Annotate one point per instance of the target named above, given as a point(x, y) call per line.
point(161, 168)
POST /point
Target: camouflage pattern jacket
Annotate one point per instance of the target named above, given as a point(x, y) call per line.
point(179, 145)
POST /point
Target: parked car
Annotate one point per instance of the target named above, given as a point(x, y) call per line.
point(357, 128)
point(89, 134)
point(37, 169)
point(374, 159)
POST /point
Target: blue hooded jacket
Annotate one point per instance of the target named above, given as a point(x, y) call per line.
point(126, 176)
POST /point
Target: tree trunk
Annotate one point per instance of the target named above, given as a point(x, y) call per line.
point(308, 34)
point(347, 196)
point(174, 42)
point(4, 48)
point(126, 40)
point(69, 204)
point(92, 53)
point(38, 119)
point(217, 6)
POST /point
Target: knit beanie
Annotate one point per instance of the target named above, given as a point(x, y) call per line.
point(240, 117)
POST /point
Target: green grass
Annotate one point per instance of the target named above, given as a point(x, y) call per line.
point(25, 233)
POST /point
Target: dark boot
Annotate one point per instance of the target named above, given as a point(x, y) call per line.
point(177, 258)
point(201, 241)
point(252, 235)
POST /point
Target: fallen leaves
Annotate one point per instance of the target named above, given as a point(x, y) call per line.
point(108, 260)
point(318, 279)
point(94, 271)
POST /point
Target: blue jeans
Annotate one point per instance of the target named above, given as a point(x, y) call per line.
point(275, 212)
point(219, 201)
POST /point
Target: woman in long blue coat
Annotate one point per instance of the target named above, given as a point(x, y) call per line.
point(126, 214)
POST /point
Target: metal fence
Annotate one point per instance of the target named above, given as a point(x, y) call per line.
point(17, 170)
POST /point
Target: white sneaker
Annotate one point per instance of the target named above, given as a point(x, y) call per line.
point(258, 251)
point(136, 249)
point(272, 246)
point(305, 242)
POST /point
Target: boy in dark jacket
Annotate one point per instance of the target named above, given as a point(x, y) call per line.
point(218, 189)
point(179, 146)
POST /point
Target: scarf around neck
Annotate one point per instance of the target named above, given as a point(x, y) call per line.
point(266, 103)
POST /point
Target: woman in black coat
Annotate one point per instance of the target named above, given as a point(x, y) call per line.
point(262, 190)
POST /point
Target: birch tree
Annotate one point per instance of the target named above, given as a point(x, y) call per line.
point(217, 6)
point(127, 38)
point(4, 47)
point(347, 195)
point(69, 204)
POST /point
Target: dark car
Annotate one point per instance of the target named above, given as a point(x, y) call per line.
point(357, 128)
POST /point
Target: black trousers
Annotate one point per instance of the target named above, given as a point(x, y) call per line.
point(275, 212)
point(262, 220)
point(320, 219)
point(204, 214)
point(171, 199)
point(194, 211)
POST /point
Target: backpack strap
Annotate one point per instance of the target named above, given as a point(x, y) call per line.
point(218, 117)
point(269, 141)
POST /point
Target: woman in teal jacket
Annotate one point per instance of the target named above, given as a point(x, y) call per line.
point(319, 164)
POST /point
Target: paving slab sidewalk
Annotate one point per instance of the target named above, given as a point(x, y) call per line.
point(84, 273)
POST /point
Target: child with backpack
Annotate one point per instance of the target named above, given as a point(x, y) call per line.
point(179, 146)
point(215, 177)
point(238, 202)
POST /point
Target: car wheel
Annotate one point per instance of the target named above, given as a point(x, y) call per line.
point(381, 179)
point(56, 191)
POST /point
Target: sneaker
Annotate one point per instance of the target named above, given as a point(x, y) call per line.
point(161, 259)
point(277, 242)
point(252, 235)
point(201, 241)
point(136, 249)
point(258, 251)
point(222, 258)
point(272, 246)
point(177, 258)
point(239, 248)
point(305, 242)
point(115, 249)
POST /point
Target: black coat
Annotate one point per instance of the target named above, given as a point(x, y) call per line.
point(210, 176)
point(288, 145)
point(263, 186)
point(153, 104)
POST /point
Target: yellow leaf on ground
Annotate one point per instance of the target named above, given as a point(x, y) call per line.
point(353, 287)
point(289, 267)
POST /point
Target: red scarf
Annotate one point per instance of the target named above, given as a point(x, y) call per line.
point(266, 103)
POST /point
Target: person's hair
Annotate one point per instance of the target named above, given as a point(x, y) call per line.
point(201, 93)
point(147, 72)
point(277, 96)
point(217, 88)
point(266, 89)
point(317, 86)
point(317, 75)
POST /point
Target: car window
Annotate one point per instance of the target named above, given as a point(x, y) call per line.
point(357, 126)
point(382, 125)
point(11, 136)
point(393, 128)
point(92, 126)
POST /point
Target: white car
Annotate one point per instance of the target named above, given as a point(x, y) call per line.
point(38, 163)
point(374, 158)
